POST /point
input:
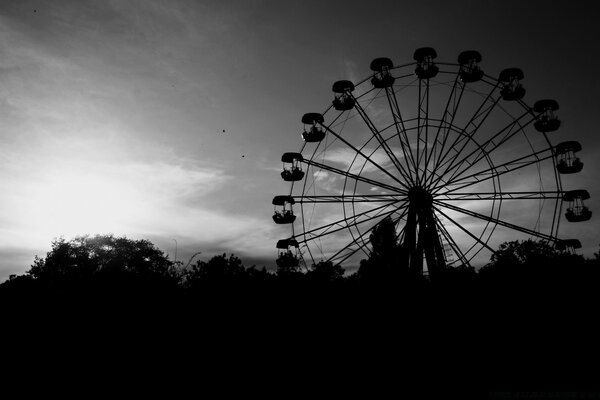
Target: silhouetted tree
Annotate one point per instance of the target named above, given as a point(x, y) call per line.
point(218, 271)
point(255, 275)
point(98, 277)
point(385, 261)
point(460, 275)
point(523, 252)
point(84, 256)
point(326, 272)
point(529, 257)
point(534, 270)
point(288, 264)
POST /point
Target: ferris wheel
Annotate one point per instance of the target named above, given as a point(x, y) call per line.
point(454, 157)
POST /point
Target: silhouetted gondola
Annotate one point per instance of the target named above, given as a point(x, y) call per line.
point(577, 211)
point(546, 120)
point(567, 161)
point(314, 133)
point(293, 172)
point(469, 68)
point(284, 214)
point(511, 78)
point(343, 100)
point(383, 78)
point(426, 68)
point(285, 246)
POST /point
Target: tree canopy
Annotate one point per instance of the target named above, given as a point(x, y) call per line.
point(85, 256)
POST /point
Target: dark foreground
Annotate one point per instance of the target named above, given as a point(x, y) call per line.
point(475, 338)
point(89, 317)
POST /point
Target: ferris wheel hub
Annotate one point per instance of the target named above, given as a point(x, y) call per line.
point(420, 197)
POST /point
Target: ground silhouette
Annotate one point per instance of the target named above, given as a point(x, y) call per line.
point(527, 319)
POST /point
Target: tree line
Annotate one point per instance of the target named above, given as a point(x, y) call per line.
point(125, 264)
point(528, 314)
point(114, 268)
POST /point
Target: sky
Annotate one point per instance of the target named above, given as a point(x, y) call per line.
point(166, 120)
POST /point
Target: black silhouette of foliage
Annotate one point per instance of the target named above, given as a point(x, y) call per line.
point(218, 270)
point(101, 261)
point(326, 272)
point(384, 262)
point(523, 252)
point(85, 256)
point(518, 314)
point(530, 261)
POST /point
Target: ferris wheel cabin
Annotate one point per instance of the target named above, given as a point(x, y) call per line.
point(566, 160)
point(292, 171)
point(469, 68)
point(286, 245)
point(283, 213)
point(343, 100)
point(383, 78)
point(510, 79)
point(314, 133)
point(426, 68)
point(577, 211)
point(546, 120)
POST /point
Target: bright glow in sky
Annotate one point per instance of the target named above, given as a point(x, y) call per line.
point(166, 120)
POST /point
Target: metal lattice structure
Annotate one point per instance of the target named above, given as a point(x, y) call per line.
point(455, 157)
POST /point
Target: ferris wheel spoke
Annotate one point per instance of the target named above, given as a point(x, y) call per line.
point(354, 220)
point(396, 105)
point(349, 198)
point(380, 215)
point(450, 113)
point(537, 195)
point(482, 151)
point(463, 139)
point(350, 249)
point(356, 177)
point(382, 142)
point(361, 238)
point(483, 243)
point(455, 247)
point(495, 171)
point(496, 221)
point(478, 118)
point(401, 133)
point(424, 109)
point(366, 157)
point(400, 234)
point(419, 108)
